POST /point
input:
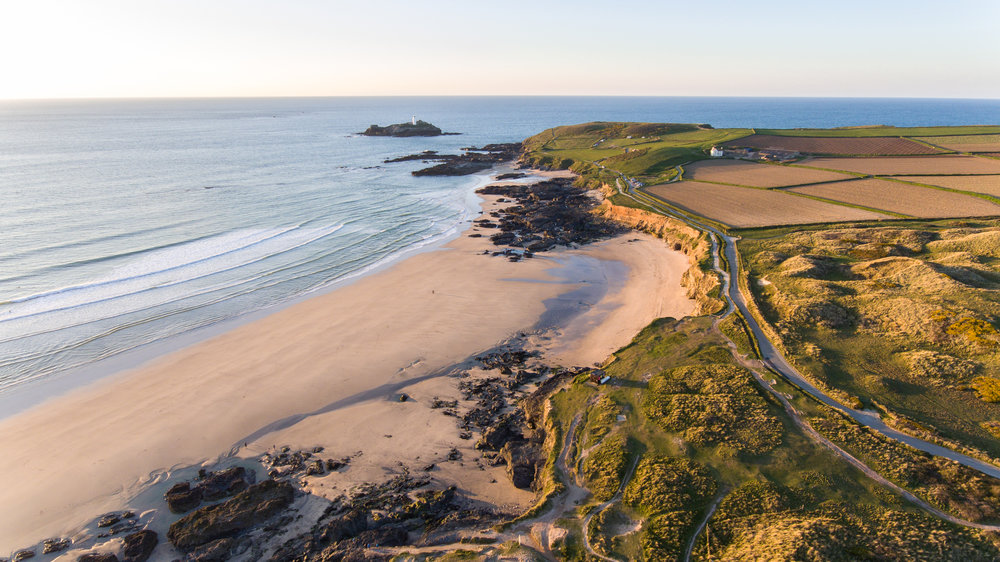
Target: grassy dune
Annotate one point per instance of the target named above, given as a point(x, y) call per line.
point(697, 427)
point(903, 317)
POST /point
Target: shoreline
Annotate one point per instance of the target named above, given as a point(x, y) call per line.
point(189, 408)
point(36, 393)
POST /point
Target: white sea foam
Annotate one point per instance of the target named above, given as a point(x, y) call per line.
point(156, 272)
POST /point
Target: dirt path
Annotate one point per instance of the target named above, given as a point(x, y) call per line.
point(775, 361)
point(704, 521)
point(617, 497)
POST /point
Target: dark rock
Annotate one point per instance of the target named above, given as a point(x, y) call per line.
point(109, 519)
point(181, 498)
point(317, 449)
point(139, 546)
point(332, 465)
point(346, 526)
point(225, 483)
point(390, 535)
point(215, 551)
point(23, 555)
point(107, 557)
point(547, 214)
point(403, 398)
point(429, 467)
point(425, 156)
point(54, 545)
point(522, 460)
point(494, 437)
point(315, 467)
point(415, 129)
point(247, 509)
point(438, 403)
point(454, 455)
point(511, 176)
point(474, 160)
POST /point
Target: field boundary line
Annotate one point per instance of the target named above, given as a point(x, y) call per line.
point(850, 205)
point(984, 196)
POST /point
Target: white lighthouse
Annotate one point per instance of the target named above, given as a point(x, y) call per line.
point(414, 120)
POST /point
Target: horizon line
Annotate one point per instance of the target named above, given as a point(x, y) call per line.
point(250, 97)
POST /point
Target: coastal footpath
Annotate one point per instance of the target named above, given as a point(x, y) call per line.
point(628, 403)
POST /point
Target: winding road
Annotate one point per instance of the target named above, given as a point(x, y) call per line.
point(772, 359)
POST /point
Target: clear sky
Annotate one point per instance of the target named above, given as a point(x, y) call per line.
point(170, 48)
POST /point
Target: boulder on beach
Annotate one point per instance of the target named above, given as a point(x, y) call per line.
point(138, 547)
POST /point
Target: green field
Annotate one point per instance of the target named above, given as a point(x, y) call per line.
point(650, 155)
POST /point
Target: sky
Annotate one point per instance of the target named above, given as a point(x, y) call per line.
point(248, 48)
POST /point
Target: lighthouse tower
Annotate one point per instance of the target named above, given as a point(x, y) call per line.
point(414, 120)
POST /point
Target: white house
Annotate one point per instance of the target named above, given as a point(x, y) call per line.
point(716, 152)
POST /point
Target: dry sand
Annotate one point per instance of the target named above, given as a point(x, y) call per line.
point(323, 372)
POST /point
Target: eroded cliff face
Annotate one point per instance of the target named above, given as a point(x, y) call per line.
point(701, 283)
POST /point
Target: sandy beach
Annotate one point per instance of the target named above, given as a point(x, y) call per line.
point(325, 372)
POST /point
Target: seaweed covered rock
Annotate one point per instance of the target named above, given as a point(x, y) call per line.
point(249, 508)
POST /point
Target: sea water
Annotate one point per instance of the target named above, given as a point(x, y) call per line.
point(124, 223)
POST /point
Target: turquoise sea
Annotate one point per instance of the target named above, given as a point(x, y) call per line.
point(125, 223)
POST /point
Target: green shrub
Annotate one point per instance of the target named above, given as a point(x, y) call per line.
point(663, 484)
point(604, 468)
point(988, 388)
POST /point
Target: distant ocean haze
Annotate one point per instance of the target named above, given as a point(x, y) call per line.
point(127, 222)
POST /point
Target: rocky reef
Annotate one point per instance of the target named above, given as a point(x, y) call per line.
point(472, 159)
point(416, 129)
point(547, 214)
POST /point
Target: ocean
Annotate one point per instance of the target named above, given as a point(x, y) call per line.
point(126, 224)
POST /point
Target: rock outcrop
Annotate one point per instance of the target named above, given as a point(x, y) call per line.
point(139, 546)
point(548, 214)
point(415, 129)
point(249, 508)
point(184, 496)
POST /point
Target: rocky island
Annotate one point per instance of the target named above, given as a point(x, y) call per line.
point(415, 128)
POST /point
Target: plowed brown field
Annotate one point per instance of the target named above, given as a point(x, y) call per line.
point(924, 202)
point(870, 146)
point(746, 206)
point(989, 185)
point(758, 175)
point(910, 166)
point(967, 143)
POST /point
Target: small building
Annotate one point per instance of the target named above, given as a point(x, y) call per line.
point(717, 152)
